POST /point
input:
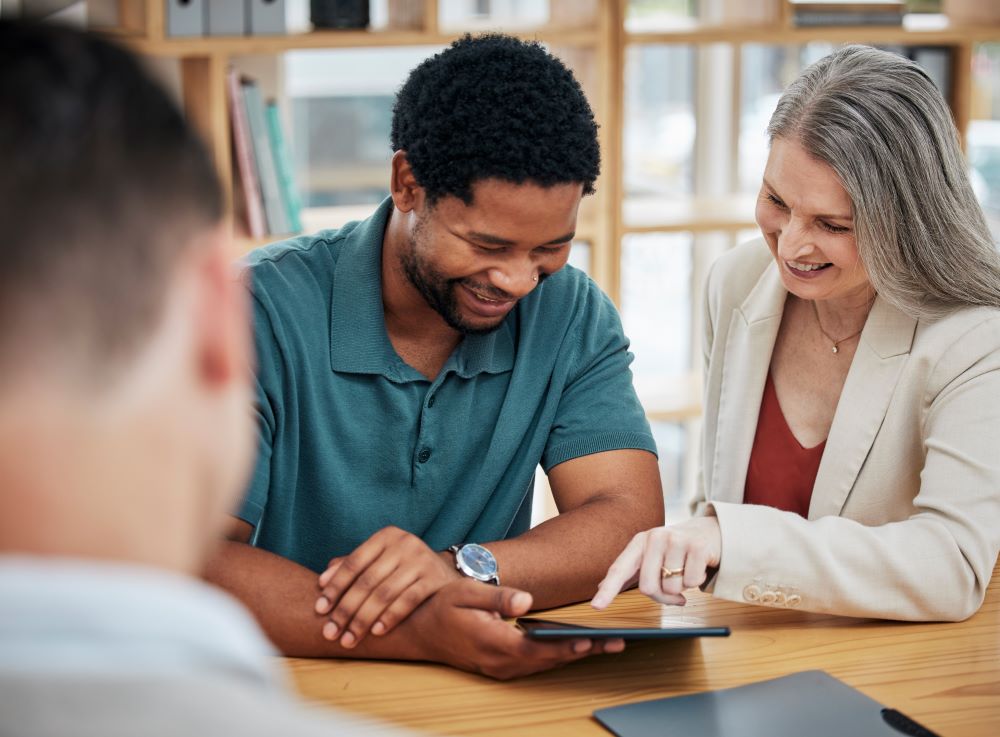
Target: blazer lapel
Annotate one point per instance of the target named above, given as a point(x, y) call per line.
point(882, 352)
point(752, 331)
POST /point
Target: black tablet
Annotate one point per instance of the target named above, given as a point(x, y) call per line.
point(544, 629)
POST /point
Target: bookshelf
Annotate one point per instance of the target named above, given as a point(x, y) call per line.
point(203, 63)
point(595, 38)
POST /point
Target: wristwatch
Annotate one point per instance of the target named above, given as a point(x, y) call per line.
point(476, 562)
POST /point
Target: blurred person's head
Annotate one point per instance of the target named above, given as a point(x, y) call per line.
point(866, 186)
point(495, 145)
point(124, 384)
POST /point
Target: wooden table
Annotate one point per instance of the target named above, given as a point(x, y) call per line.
point(946, 676)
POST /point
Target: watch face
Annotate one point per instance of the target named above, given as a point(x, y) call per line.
point(478, 560)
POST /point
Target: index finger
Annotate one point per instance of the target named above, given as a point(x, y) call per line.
point(624, 568)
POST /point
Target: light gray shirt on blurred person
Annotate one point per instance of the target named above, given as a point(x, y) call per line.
point(108, 649)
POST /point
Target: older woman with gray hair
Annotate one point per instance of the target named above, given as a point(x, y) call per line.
point(852, 370)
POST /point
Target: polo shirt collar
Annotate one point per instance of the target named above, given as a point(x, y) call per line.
point(492, 353)
point(359, 342)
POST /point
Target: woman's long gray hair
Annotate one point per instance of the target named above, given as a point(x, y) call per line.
point(880, 123)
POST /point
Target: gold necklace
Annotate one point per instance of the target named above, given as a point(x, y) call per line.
point(835, 348)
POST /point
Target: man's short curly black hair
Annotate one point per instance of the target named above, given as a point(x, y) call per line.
point(495, 107)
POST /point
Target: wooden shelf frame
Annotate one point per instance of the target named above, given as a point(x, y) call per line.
point(949, 36)
point(733, 213)
point(250, 45)
point(204, 62)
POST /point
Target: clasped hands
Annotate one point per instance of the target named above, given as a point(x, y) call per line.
point(378, 585)
point(393, 577)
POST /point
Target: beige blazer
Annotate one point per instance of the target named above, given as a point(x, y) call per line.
point(904, 521)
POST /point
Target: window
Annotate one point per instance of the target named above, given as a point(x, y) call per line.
point(984, 133)
point(656, 304)
point(341, 121)
point(655, 15)
point(659, 121)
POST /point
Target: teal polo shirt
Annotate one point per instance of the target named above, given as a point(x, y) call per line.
point(353, 439)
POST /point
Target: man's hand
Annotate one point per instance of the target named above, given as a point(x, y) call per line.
point(665, 561)
point(379, 585)
point(462, 625)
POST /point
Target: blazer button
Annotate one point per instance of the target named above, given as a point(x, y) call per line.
point(424, 455)
point(793, 600)
point(751, 593)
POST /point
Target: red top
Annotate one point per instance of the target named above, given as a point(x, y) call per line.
point(781, 472)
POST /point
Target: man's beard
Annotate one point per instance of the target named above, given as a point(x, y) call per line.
point(439, 291)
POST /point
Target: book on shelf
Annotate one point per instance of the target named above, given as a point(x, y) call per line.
point(848, 6)
point(247, 199)
point(274, 208)
point(283, 166)
point(265, 196)
point(817, 13)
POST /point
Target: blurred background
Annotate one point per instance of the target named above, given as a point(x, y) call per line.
point(682, 89)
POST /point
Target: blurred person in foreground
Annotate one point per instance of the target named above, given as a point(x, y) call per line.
point(852, 370)
point(124, 432)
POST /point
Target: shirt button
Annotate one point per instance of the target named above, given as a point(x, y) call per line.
point(424, 455)
point(430, 401)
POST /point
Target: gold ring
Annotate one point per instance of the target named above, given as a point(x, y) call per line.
point(671, 572)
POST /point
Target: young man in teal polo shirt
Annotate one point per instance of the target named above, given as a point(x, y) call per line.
point(415, 368)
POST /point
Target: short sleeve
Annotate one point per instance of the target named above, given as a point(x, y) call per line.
point(267, 384)
point(598, 409)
